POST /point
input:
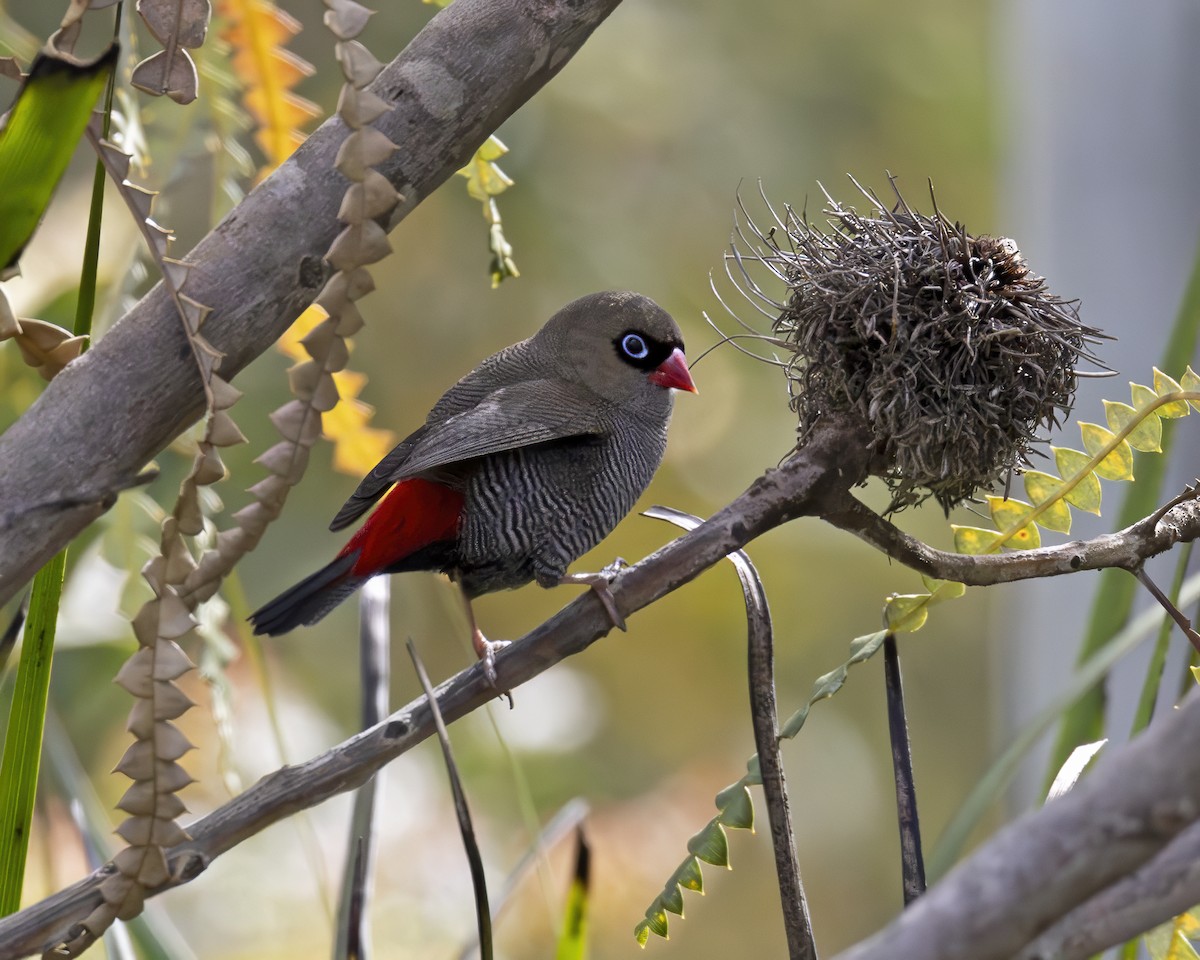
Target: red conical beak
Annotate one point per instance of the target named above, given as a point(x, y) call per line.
point(673, 372)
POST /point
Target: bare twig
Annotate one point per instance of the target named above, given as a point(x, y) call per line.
point(483, 912)
point(761, 674)
point(1127, 549)
point(835, 457)
point(814, 482)
point(1173, 611)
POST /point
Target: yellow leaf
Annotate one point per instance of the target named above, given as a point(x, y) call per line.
point(1164, 385)
point(975, 540)
point(484, 178)
point(1042, 487)
point(1012, 517)
point(1073, 465)
point(1145, 436)
point(906, 613)
point(1191, 383)
point(1118, 462)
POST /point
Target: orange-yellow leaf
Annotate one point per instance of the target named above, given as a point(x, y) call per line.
point(257, 31)
point(357, 447)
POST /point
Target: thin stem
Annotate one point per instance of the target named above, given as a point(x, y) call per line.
point(1176, 614)
point(912, 860)
point(478, 879)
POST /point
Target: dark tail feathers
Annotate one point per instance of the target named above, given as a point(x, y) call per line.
point(309, 600)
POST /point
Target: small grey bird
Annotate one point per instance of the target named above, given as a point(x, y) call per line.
point(522, 466)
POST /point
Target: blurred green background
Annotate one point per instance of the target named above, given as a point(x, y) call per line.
point(627, 169)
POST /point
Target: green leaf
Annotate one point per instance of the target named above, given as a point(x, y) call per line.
point(906, 613)
point(26, 722)
point(655, 923)
point(689, 876)
point(46, 121)
point(1118, 463)
point(1072, 464)
point(1164, 385)
point(736, 806)
point(861, 648)
point(1042, 487)
point(711, 844)
point(1145, 436)
point(671, 899)
point(975, 540)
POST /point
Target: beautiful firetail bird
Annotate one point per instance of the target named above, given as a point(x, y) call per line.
point(522, 466)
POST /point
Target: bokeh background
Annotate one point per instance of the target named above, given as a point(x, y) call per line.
point(1069, 125)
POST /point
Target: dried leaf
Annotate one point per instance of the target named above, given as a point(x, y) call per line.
point(345, 19)
point(47, 347)
point(167, 74)
point(358, 108)
point(359, 65)
point(362, 149)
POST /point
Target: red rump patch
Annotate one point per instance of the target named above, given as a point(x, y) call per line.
point(414, 514)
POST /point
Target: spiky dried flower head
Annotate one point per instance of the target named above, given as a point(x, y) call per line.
point(944, 343)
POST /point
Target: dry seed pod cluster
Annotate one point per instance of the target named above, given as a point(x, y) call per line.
point(944, 343)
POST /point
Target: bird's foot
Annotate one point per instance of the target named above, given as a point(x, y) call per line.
point(618, 565)
point(599, 584)
point(486, 650)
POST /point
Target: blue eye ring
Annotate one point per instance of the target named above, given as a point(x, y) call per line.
point(635, 346)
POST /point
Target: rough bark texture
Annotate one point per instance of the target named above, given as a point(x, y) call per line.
point(115, 408)
point(1047, 863)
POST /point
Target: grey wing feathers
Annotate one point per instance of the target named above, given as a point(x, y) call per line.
point(517, 416)
point(520, 415)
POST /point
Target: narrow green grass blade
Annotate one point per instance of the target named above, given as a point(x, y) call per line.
point(48, 118)
point(1084, 721)
point(572, 942)
point(23, 738)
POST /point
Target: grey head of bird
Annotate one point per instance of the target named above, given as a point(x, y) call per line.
point(621, 346)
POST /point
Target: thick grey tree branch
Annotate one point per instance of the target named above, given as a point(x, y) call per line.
point(1164, 888)
point(116, 407)
point(1047, 863)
